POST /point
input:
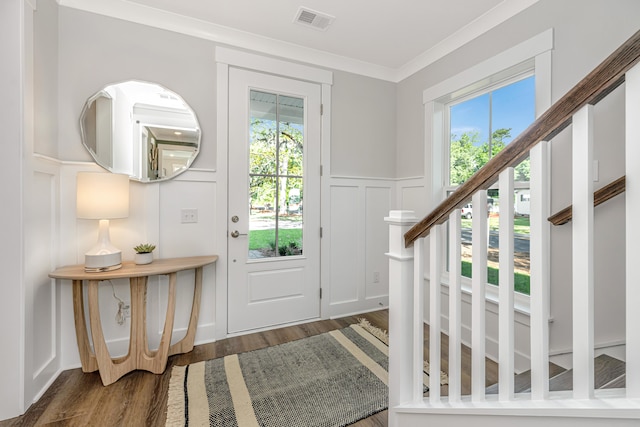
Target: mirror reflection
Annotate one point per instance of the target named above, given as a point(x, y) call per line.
point(140, 129)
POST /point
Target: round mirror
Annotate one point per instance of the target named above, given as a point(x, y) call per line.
point(140, 129)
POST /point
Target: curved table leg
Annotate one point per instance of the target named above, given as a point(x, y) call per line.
point(138, 338)
point(87, 357)
point(110, 369)
point(156, 362)
point(185, 345)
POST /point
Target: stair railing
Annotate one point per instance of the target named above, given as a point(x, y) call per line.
point(407, 278)
point(600, 196)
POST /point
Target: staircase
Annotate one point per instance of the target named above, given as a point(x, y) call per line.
point(598, 390)
point(609, 372)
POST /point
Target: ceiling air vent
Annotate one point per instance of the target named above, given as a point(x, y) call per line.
point(311, 18)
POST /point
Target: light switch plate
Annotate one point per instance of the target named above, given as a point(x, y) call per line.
point(189, 216)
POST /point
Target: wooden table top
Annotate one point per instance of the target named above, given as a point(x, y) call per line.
point(130, 269)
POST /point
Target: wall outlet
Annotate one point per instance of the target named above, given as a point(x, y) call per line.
point(376, 277)
point(189, 216)
point(126, 310)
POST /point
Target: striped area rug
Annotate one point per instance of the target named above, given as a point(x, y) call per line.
point(328, 380)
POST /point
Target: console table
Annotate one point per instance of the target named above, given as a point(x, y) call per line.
point(139, 355)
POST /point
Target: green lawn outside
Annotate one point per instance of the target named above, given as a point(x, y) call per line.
point(521, 281)
point(520, 224)
point(264, 239)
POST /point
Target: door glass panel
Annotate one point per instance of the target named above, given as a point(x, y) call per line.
point(290, 217)
point(262, 224)
point(276, 155)
point(262, 133)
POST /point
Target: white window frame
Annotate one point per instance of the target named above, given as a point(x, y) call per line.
point(531, 56)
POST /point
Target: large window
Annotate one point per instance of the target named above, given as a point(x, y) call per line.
point(480, 126)
point(470, 117)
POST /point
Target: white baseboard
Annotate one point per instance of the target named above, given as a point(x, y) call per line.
point(355, 313)
point(351, 308)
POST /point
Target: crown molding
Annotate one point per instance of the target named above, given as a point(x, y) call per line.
point(491, 19)
point(253, 61)
point(141, 14)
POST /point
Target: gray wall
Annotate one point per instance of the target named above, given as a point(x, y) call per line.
point(46, 78)
point(95, 51)
point(584, 34)
point(363, 126)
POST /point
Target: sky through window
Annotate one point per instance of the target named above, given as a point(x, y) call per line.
point(512, 106)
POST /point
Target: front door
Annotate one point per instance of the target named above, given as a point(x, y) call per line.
point(274, 201)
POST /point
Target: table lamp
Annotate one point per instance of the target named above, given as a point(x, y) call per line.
point(102, 196)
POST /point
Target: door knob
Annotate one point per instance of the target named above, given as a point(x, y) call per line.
point(236, 233)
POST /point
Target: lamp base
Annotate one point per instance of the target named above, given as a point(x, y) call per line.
point(103, 256)
point(102, 269)
point(96, 263)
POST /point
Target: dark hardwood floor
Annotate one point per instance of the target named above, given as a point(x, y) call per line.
point(140, 398)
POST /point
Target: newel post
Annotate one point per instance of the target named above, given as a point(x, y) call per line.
point(400, 309)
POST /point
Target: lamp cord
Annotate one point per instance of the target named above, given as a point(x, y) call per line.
point(120, 317)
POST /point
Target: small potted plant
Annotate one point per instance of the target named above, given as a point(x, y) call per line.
point(144, 253)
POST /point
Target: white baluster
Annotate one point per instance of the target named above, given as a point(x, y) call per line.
point(455, 308)
point(539, 270)
point(583, 272)
point(632, 207)
point(435, 312)
point(505, 307)
point(418, 318)
point(478, 293)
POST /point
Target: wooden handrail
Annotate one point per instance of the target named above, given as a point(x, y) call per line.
point(595, 86)
point(600, 196)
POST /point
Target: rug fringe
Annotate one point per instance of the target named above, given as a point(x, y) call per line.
point(175, 401)
point(383, 336)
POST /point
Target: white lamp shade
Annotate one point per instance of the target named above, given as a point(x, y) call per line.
point(102, 195)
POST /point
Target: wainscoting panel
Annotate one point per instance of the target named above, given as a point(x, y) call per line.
point(378, 202)
point(359, 268)
point(413, 196)
point(39, 245)
point(41, 334)
point(345, 243)
point(193, 191)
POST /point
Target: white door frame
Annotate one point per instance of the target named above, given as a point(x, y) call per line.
point(225, 58)
point(279, 290)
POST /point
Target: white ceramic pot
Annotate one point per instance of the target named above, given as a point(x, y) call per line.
point(146, 258)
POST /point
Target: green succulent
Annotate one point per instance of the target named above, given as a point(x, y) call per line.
point(144, 248)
